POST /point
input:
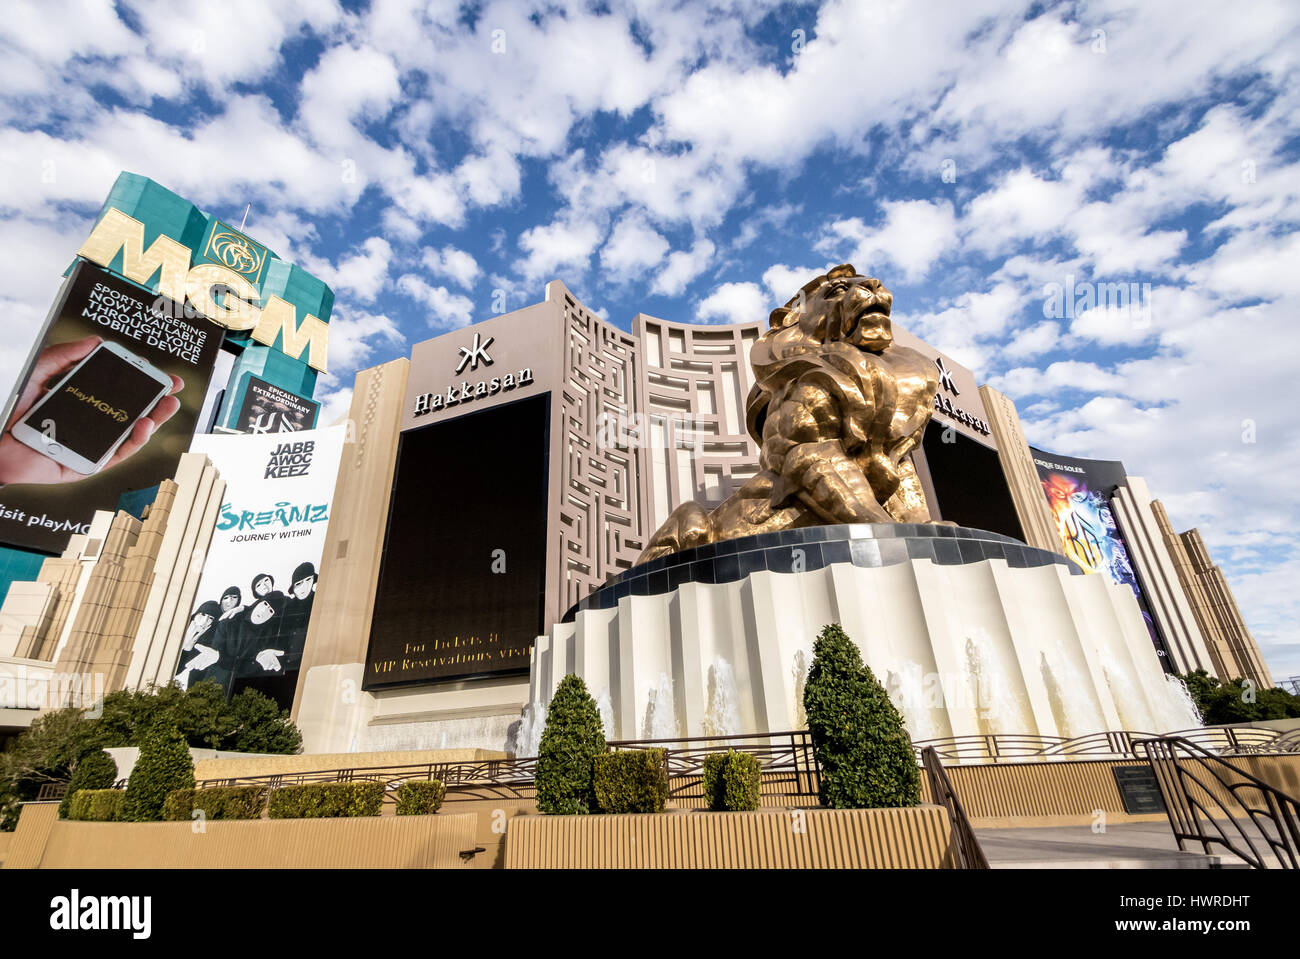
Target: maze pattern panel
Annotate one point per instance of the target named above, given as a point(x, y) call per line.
point(696, 383)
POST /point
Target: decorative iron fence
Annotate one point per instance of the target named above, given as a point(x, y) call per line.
point(1195, 783)
point(1117, 744)
point(790, 775)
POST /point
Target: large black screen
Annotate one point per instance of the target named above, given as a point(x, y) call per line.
point(969, 482)
point(462, 578)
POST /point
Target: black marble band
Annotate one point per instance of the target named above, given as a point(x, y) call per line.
point(876, 544)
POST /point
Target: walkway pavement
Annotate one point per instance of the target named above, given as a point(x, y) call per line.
point(1143, 845)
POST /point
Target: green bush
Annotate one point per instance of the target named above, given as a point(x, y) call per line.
point(858, 737)
point(216, 802)
point(326, 800)
point(164, 765)
point(95, 770)
point(632, 780)
point(420, 797)
point(97, 805)
point(731, 781)
point(1221, 703)
point(572, 739)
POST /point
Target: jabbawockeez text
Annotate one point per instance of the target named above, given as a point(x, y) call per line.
point(290, 459)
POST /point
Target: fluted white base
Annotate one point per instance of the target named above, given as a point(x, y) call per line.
point(975, 648)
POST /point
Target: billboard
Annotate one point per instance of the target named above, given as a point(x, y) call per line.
point(268, 409)
point(255, 595)
point(1078, 495)
point(106, 406)
point(462, 579)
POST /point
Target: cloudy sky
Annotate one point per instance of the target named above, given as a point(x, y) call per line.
point(699, 163)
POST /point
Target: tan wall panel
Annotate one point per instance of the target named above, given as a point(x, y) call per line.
point(919, 837)
point(1077, 789)
point(397, 842)
point(28, 844)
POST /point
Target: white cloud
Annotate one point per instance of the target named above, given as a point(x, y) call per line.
point(783, 281)
point(633, 247)
point(914, 235)
point(456, 265)
point(364, 274)
point(355, 335)
point(449, 310)
point(734, 303)
point(561, 243)
point(683, 266)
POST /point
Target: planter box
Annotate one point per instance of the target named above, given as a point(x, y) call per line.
point(372, 842)
point(919, 837)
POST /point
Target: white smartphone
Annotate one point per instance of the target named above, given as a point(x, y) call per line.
point(88, 414)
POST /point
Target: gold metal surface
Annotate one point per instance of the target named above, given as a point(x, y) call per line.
point(836, 409)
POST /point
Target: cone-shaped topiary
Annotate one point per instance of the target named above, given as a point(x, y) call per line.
point(95, 770)
point(164, 765)
point(574, 736)
point(864, 751)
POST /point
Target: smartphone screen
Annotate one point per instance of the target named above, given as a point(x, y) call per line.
point(96, 406)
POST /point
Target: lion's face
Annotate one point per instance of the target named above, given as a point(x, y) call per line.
point(849, 308)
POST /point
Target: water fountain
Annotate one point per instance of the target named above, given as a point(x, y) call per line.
point(722, 715)
point(661, 714)
point(907, 690)
point(605, 706)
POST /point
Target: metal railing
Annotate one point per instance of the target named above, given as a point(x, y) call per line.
point(790, 774)
point(1193, 783)
point(465, 780)
point(966, 847)
point(1115, 744)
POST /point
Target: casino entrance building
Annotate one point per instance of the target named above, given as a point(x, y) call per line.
point(506, 472)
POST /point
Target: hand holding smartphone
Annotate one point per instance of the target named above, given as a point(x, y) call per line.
point(103, 405)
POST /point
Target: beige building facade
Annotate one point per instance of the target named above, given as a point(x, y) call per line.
point(635, 423)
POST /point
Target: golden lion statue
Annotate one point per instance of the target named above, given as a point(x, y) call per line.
point(836, 409)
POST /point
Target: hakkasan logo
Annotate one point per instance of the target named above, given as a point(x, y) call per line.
point(236, 252)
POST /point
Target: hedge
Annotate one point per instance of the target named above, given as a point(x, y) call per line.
point(731, 781)
point(97, 805)
point(95, 770)
point(420, 797)
point(574, 736)
point(216, 802)
point(631, 780)
point(326, 800)
point(164, 765)
point(858, 737)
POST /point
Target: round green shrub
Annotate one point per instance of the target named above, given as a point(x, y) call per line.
point(858, 737)
point(731, 781)
point(326, 800)
point(631, 780)
point(164, 765)
point(97, 805)
point(572, 739)
point(95, 770)
point(216, 802)
point(420, 797)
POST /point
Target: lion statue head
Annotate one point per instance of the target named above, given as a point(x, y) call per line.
point(838, 307)
point(837, 311)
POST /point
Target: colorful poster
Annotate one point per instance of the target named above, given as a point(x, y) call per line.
point(258, 587)
point(1078, 495)
point(107, 406)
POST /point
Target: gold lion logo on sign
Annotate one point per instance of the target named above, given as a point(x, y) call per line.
point(237, 253)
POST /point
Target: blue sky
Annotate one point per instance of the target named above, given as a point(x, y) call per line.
point(699, 162)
